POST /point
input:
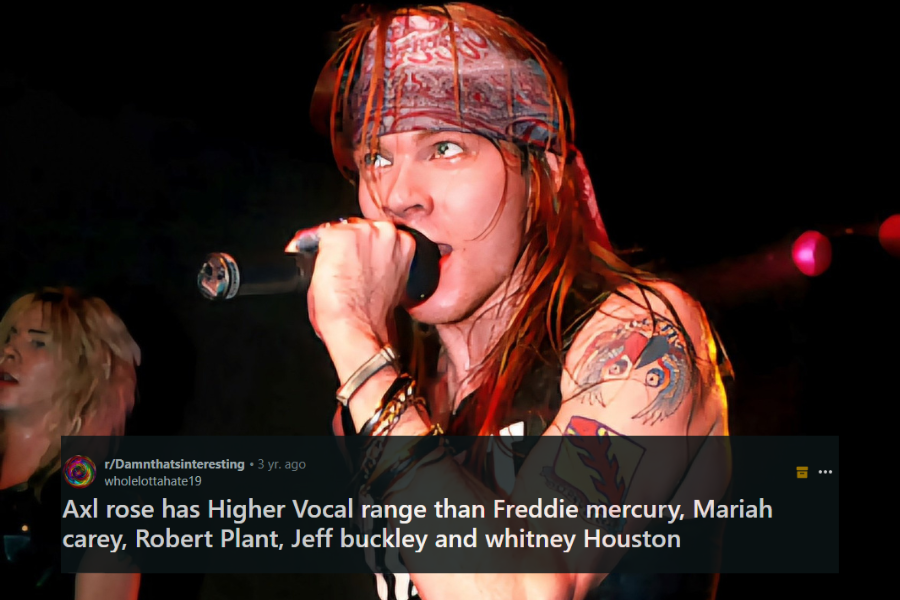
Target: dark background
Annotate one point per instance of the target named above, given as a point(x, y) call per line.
point(129, 151)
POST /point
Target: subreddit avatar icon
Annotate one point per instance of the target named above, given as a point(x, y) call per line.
point(79, 471)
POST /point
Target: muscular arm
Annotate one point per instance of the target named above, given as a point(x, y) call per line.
point(627, 376)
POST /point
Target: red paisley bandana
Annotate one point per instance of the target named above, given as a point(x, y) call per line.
point(496, 95)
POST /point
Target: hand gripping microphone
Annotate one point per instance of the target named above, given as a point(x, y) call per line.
point(221, 277)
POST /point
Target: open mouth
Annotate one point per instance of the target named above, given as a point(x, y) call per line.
point(7, 378)
point(445, 249)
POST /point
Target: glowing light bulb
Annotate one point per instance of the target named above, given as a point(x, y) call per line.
point(812, 253)
point(889, 235)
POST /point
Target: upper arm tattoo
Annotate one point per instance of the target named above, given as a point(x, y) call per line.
point(594, 466)
point(645, 352)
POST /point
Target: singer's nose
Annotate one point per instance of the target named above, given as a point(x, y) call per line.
point(408, 198)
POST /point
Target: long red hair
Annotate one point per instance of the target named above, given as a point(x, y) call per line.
point(565, 263)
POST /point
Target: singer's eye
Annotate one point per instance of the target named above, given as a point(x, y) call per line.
point(376, 160)
point(446, 150)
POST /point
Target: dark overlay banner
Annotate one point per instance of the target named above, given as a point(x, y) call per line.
point(576, 503)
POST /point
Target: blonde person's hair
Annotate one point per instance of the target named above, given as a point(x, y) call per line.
point(96, 390)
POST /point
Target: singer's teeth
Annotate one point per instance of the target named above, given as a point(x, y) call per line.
point(8, 377)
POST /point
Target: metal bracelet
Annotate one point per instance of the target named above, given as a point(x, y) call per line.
point(386, 356)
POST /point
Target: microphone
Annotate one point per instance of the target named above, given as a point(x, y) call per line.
point(222, 278)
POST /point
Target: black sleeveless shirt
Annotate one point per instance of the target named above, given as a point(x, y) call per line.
point(535, 405)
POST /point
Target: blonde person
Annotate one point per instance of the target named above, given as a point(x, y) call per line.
point(68, 367)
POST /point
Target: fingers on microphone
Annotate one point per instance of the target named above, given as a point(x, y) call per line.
point(382, 233)
point(387, 230)
point(384, 230)
point(331, 233)
point(349, 226)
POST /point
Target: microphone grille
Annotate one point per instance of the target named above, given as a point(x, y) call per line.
point(219, 277)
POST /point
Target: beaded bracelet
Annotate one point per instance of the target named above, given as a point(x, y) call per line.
point(398, 397)
point(407, 450)
point(426, 450)
point(403, 383)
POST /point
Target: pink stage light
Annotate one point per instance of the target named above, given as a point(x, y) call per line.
point(812, 253)
point(889, 235)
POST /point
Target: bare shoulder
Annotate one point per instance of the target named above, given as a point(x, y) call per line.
point(663, 308)
point(639, 360)
point(661, 300)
